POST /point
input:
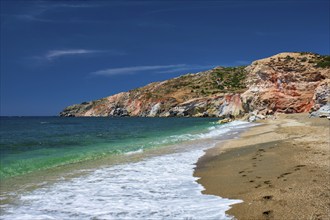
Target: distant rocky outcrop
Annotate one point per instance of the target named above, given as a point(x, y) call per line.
point(285, 83)
point(323, 112)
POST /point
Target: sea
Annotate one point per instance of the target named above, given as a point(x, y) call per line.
point(108, 168)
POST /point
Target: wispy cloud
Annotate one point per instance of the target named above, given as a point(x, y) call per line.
point(31, 18)
point(53, 54)
point(37, 11)
point(210, 5)
point(196, 6)
point(157, 69)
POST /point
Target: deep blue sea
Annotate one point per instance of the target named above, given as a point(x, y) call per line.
point(154, 186)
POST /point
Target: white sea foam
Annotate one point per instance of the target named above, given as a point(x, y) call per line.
point(213, 131)
point(162, 187)
point(134, 152)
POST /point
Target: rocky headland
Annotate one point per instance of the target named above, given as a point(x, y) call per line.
point(283, 83)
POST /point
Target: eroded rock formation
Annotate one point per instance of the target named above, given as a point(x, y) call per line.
point(286, 83)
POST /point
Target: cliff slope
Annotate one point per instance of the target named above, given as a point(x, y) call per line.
point(286, 82)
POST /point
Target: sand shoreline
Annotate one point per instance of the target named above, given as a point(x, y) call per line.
point(280, 169)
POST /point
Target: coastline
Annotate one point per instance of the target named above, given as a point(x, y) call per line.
point(155, 183)
point(280, 169)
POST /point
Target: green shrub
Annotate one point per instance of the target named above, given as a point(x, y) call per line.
point(287, 58)
point(326, 58)
point(304, 59)
point(230, 77)
point(323, 62)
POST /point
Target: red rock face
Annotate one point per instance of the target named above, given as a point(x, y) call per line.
point(283, 83)
point(232, 106)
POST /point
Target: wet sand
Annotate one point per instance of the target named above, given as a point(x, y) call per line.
point(280, 169)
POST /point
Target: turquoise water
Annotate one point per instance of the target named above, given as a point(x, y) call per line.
point(29, 144)
point(134, 168)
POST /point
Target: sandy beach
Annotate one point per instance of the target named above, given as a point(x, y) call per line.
point(280, 169)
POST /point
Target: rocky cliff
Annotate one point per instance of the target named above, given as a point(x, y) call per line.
point(286, 83)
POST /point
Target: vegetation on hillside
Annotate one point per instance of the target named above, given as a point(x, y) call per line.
point(217, 81)
point(320, 61)
point(323, 62)
point(230, 79)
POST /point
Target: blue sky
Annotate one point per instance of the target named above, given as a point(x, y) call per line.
point(58, 53)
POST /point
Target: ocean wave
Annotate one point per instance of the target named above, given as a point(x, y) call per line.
point(212, 132)
point(161, 187)
point(134, 152)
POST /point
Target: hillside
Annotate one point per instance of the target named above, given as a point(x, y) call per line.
point(286, 82)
